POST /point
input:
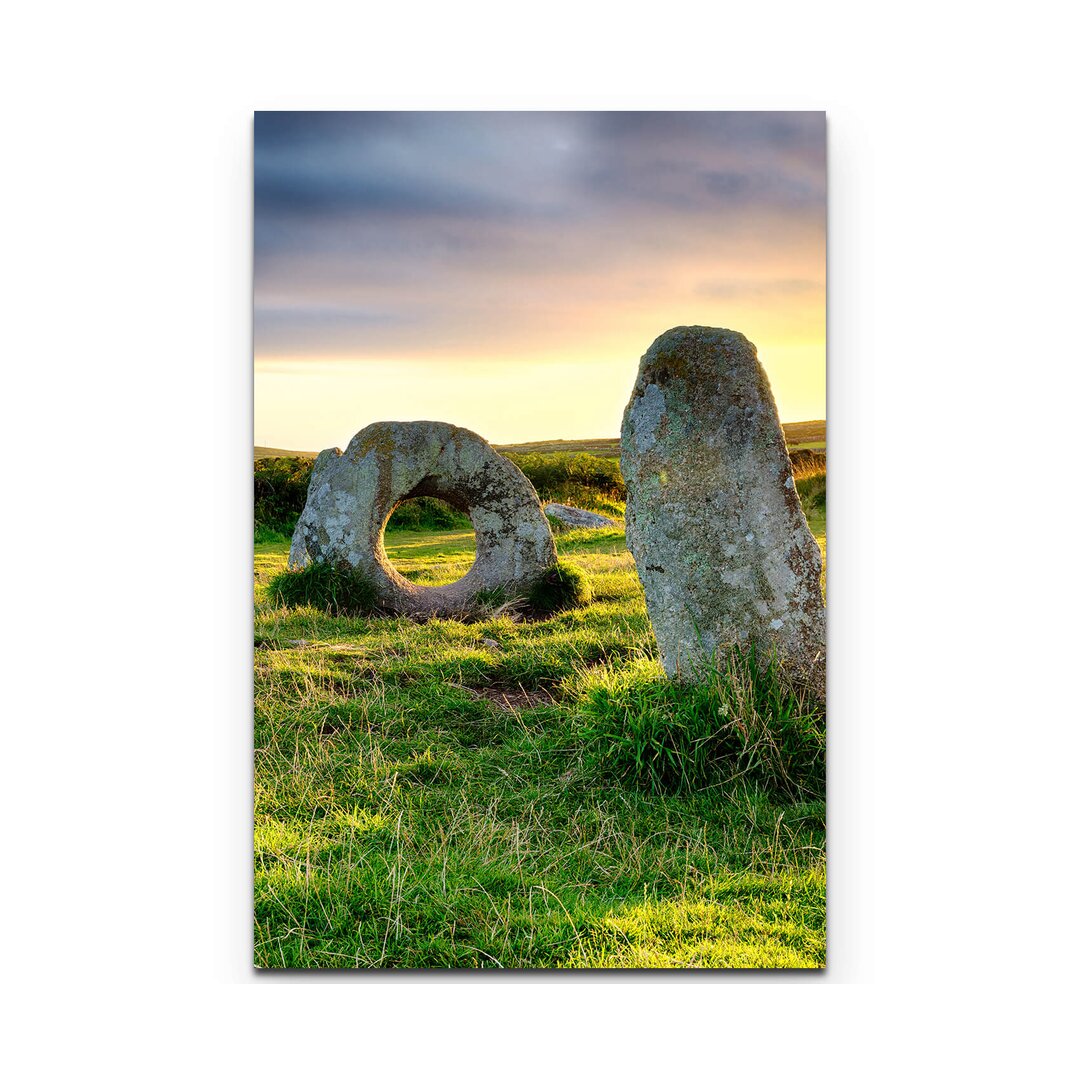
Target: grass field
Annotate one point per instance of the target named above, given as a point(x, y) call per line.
point(808, 434)
point(272, 451)
point(425, 795)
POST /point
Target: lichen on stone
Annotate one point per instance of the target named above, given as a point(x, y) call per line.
point(352, 495)
point(713, 519)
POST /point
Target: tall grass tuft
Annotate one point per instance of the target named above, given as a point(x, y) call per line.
point(808, 468)
point(562, 587)
point(265, 534)
point(743, 720)
point(333, 589)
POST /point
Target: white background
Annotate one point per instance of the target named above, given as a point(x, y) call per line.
point(952, 543)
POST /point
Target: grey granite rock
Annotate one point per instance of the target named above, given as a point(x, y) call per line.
point(352, 494)
point(578, 519)
point(713, 519)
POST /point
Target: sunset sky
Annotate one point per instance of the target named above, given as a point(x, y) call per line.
point(505, 271)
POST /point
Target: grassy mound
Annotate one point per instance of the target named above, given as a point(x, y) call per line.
point(743, 721)
point(564, 586)
point(332, 589)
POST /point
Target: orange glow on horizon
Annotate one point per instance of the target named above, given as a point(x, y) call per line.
point(310, 405)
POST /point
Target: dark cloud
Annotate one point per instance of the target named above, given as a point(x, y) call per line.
point(281, 194)
point(382, 229)
point(292, 132)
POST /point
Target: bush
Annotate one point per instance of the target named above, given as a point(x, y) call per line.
point(563, 586)
point(335, 590)
point(582, 480)
point(418, 515)
point(811, 491)
point(808, 468)
point(281, 485)
point(743, 721)
point(266, 535)
point(805, 462)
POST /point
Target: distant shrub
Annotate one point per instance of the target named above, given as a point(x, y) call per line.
point(811, 491)
point(417, 515)
point(563, 586)
point(266, 535)
point(579, 479)
point(281, 485)
point(743, 721)
point(808, 468)
point(804, 462)
point(335, 590)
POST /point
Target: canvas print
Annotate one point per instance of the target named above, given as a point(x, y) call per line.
point(539, 540)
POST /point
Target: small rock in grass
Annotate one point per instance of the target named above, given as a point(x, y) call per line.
point(577, 519)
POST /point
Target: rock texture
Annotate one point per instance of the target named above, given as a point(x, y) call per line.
point(352, 494)
point(578, 519)
point(713, 519)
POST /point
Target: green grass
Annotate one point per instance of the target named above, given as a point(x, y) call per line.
point(431, 558)
point(806, 433)
point(563, 587)
point(801, 432)
point(427, 515)
point(605, 448)
point(273, 451)
point(742, 721)
point(326, 588)
point(429, 795)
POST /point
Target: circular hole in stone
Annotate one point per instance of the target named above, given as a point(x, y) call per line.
point(429, 542)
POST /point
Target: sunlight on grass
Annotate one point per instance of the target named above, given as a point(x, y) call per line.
point(431, 558)
point(424, 797)
point(750, 923)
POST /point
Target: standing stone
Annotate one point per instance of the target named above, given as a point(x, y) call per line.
point(351, 496)
point(713, 519)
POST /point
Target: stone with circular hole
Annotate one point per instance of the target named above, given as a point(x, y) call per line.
point(351, 496)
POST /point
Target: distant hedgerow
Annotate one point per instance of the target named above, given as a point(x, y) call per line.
point(265, 534)
point(427, 514)
point(336, 590)
point(808, 468)
point(281, 485)
point(582, 480)
point(811, 491)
